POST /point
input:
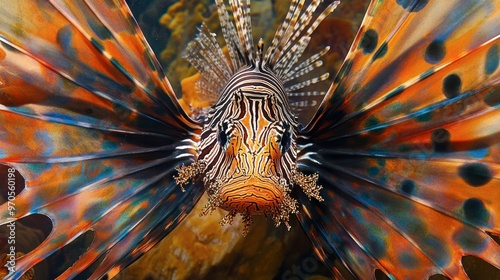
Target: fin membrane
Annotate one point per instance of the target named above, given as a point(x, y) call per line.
point(92, 124)
point(407, 143)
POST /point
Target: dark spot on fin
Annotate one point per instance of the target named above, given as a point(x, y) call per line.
point(370, 122)
point(435, 52)
point(382, 50)
point(346, 67)
point(408, 186)
point(440, 139)
point(374, 122)
point(470, 239)
point(425, 117)
point(475, 211)
point(109, 3)
point(97, 44)
point(64, 37)
point(492, 60)
point(377, 246)
point(492, 98)
point(99, 30)
point(369, 41)
point(412, 5)
point(452, 85)
point(475, 174)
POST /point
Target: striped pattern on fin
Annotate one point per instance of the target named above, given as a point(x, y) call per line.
point(407, 143)
point(92, 124)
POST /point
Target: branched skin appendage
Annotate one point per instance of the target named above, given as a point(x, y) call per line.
point(308, 183)
point(188, 172)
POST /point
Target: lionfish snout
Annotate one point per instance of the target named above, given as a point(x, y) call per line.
point(252, 194)
point(255, 181)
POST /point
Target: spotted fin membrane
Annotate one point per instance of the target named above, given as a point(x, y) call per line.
point(92, 124)
point(407, 143)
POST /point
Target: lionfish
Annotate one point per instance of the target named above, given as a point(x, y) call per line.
point(397, 171)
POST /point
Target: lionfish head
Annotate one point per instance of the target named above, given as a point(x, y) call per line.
point(247, 151)
point(248, 148)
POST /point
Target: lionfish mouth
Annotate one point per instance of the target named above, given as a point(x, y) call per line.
point(252, 194)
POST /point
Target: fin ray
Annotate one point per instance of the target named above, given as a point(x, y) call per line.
point(406, 142)
point(92, 124)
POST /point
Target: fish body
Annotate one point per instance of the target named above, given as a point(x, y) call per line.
point(397, 170)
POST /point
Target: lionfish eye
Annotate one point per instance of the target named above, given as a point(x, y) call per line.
point(286, 138)
point(222, 134)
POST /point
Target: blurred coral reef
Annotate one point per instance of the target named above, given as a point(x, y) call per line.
point(202, 249)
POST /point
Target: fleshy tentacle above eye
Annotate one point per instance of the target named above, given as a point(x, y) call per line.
point(406, 143)
point(90, 121)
